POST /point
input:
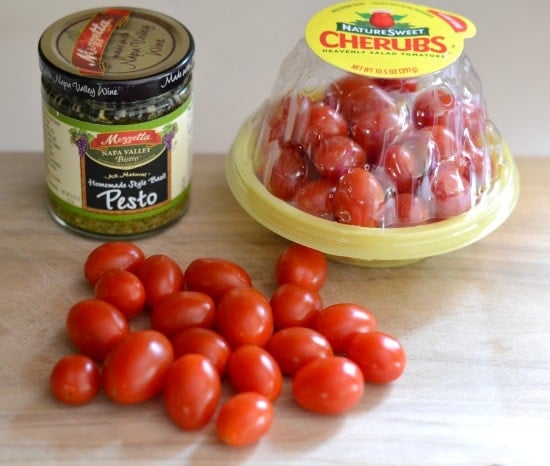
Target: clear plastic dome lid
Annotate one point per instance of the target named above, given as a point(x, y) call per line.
point(377, 119)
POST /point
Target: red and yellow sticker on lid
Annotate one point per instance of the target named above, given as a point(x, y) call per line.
point(388, 39)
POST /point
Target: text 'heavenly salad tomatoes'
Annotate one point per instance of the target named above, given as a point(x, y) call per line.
point(209, 326)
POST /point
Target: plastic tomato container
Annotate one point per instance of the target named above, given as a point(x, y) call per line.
point(375, 146)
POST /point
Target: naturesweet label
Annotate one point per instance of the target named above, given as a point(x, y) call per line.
point(388, 39)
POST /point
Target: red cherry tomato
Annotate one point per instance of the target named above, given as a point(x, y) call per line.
point(112, 255)
point(359, 199)
point(288, 172)
point(183, 309)
point(289, 118)
point(365, 97)
point(315, 197)
point(338, 92)
point(302, 265)
point(334, 156)
point(294, 347)
point(406, 161)
point(161, 276)
point(444, 140)
point(136, 369)
point(252, 369)
point(339, 322)
point(380, 356)
point(323, 123)
point(244, 419)
point(378, 127)
point(411, 210)
point(192, 391)
point(75, 379)
point(215, 276)
point(95, 327)
point(244, 316)
point(329, 385)
point(123, 290)
point(452, 191)
point(435, 105)
point(198, 340)
point(295, 305)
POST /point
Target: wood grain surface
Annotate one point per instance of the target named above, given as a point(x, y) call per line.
point(475, 324)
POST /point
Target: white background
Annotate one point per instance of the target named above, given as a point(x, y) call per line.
point(240, 45)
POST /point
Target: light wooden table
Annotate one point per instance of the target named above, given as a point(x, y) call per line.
point(475, 324)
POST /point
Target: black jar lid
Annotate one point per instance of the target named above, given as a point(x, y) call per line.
point(116, 54)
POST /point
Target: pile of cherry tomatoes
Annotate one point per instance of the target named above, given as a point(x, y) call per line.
point(379, 152)
point(209, 326)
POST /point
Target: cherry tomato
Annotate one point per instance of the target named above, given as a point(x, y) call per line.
point(192, 391)
point(452, 191)
point(252, 369)
point(288, 172)
point(339, 322)
point(406, 161)
point(183, 309)
point(378, 127)
point(323, 123)
point(289, 118)
point(339, 90)
point(198, 340)
point(329, 385)
point(359, 199)
point(95, 327)
point(435, 105)
point(123, 290)
point(445, 141)
point(315, 197)
point(215, 276)
point(112, 255)
point(334, 156)
point(295, 305)
point(161, 276)
point(411, 210)
point(244, 316)
point(294, 347)
point(366, 98)
point(75, 379)
point(136, 369)
point(302, 265)
point(380, 356)
point(244, 419)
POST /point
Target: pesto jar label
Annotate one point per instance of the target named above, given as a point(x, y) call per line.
point(119, 172)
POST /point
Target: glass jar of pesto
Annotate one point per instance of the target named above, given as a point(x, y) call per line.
point(117, 120)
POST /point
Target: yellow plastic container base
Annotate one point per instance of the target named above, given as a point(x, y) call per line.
point(363, 246)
